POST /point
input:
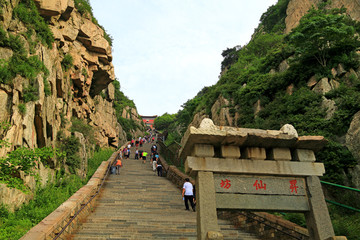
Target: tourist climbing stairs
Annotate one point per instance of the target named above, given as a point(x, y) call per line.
point(137, 204)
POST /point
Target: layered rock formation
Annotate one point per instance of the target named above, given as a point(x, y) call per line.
point(74, 91)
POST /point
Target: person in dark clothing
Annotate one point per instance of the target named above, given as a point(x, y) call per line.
point(159, 168)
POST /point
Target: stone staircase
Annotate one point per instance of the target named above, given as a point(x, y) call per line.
point(137, 204)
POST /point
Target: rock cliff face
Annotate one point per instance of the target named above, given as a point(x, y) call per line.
point(67, 91)
point(297, 9)
point(74, 93)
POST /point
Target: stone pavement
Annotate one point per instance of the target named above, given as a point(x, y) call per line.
point(137, 204)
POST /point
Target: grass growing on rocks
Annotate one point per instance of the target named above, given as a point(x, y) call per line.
point(15, 225)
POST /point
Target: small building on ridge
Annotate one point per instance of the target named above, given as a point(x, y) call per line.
point(149, 120)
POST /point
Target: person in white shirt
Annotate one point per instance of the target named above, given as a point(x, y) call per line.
point(188, 194)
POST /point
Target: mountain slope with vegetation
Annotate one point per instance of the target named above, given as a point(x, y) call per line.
point(308, 77)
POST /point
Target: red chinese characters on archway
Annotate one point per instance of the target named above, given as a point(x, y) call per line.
point(293, 186)
point(225, 184)
point(259, 185)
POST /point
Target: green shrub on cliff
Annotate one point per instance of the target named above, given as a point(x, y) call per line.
point(67, 62)
point(273, 20)
point(27, 12)
point(323, 34)
point(163, 122)
point(46, 200)
point(84, 8)
point(71, 146)
point(122, 102)
point(23, 160)
point(20, 63)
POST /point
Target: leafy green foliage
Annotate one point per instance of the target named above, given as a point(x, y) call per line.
point(248, 81)
point(71, 146)
point(127, 125)
point(345, 223)
point(84, 72)
point(273, 20)
point(230, 57)
point(27, 67)
point(164, 121)
point(15, 225)
point(84, 7)
point(4, 126)
point(347, 101)
point(95, 161)
point(30, 93)
point(67, 62)
point(23, 159)
point(22, 108)
point(46, 200)
point(324, 33)
point(301, 109)
point(335, 157)
point(79, 125)
point(47, 88)
point(19, 63)
point(120, 103)
point(27, 12)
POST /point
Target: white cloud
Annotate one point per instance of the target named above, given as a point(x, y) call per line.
point(166, 51)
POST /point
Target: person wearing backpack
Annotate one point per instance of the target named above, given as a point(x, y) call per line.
point(118, 165)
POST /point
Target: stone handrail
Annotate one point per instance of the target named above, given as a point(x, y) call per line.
point(50, 226)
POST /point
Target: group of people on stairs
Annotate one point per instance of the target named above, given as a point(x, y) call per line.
point(188, 191)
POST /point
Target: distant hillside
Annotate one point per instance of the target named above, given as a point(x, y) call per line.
point(308, 77)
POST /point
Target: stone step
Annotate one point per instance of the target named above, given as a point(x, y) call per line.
point(140, 205)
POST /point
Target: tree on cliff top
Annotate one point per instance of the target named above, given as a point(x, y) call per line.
point(323, 34)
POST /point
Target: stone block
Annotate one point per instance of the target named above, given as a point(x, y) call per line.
point(289, 129)
point(311, 142)
point(230, 152)
point(280, 154)
point(317, 219)
point(206, 205)
point(268, 167)
point(203, 150)
point(304, 155)
point(255, 153)
point(212, 235)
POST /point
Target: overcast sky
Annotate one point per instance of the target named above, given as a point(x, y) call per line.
point(166, 51)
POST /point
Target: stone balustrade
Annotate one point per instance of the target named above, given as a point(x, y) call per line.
point(50, 226)
point(265, 225)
